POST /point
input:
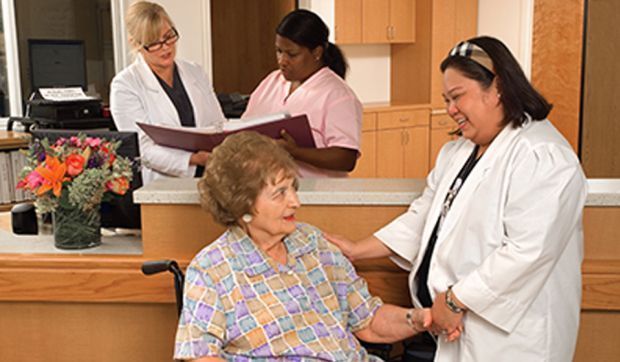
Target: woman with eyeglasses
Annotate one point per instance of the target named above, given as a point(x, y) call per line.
point(160, 89)
point(310, 80)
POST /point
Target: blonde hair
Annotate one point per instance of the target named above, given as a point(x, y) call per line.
point(238, 170)
point(144, 21)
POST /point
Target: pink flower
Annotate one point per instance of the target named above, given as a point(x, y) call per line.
point(31, 181)
point(92, 142)
point(74, 141)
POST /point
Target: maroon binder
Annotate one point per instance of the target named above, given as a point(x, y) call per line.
point(195, 139)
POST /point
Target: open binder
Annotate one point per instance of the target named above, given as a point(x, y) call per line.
point(205, 139)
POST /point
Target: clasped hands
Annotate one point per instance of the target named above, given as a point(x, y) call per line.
point(445, 322)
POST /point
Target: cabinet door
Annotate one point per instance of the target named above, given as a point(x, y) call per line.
point(415, 152)
point(367, 162)
point(366, 165)
point(441, 126)
point(375, 21)
point(348, 29)
point(402, 21)
point(390, 153)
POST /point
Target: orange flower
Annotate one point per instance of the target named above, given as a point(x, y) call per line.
point(119, 185)
point(75, 164)
point(53, 173)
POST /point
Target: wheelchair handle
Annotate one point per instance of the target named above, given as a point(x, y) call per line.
point(158, 266)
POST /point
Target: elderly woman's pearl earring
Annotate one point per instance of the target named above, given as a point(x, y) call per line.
point(247, 218)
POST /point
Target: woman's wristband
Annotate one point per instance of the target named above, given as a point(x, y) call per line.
point(410, 322)
point(454, 308)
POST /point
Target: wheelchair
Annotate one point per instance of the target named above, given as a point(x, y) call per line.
point(381, 350)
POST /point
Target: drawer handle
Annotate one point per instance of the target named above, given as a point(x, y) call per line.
point(404, 119)
point(443, 122)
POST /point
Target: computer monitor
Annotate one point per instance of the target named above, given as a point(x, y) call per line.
point(57, 63)
point(121, 212)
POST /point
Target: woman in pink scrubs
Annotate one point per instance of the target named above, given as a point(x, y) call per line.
point(310, 80)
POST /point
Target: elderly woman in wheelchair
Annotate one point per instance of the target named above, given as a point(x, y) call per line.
point(272, 288)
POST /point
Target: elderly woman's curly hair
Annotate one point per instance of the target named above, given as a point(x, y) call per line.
point(238, 170)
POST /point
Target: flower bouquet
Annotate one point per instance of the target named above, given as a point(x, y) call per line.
point(70, 178)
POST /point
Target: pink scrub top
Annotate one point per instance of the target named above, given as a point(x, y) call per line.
point(333, 110)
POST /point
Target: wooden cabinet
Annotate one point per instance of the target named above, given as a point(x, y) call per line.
point(441, 127)
point(375, 21)
point(348, 27)
point(366, 166)
point(403, 144)
point(395, 143)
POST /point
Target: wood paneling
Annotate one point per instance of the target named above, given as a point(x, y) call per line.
point(597, 340)
point(61, 332)
point(11, 140)
point(91, 279)
point(602, 233)
point(243, 36)
point(600, 149)
point(557, 61)
point(410, 64)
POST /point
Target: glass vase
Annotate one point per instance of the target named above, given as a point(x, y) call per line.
point(75, 228)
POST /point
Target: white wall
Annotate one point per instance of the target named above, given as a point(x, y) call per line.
point(510, 21)
point(369, 71)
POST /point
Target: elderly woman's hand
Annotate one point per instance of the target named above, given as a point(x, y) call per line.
point(422, 319)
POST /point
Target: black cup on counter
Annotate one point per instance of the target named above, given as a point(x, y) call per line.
point(24, 219)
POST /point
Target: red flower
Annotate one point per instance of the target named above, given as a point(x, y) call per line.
point(119, 185)
point(75, 164)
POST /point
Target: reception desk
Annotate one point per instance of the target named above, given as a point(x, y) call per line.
point(58, 306)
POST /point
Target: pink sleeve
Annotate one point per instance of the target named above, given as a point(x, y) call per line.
point(343, 123)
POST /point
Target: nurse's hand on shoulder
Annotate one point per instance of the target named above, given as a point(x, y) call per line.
point(199, 158)
point(445, 321)
point(345, 245)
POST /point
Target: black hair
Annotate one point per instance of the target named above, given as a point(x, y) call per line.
point(306, 29)
point(518, 96)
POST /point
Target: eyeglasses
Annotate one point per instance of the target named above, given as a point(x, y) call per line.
point(170, 38)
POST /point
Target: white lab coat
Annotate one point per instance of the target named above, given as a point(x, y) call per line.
point(136, 95)
point(511, 244)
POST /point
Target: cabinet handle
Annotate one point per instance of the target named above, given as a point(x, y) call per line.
point(387, 32)
point(393, 31)
point(406, 137)
point(404, 119)
point(443, 122)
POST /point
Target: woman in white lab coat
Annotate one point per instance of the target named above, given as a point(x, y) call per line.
point(494, 244)
point(160, 89)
